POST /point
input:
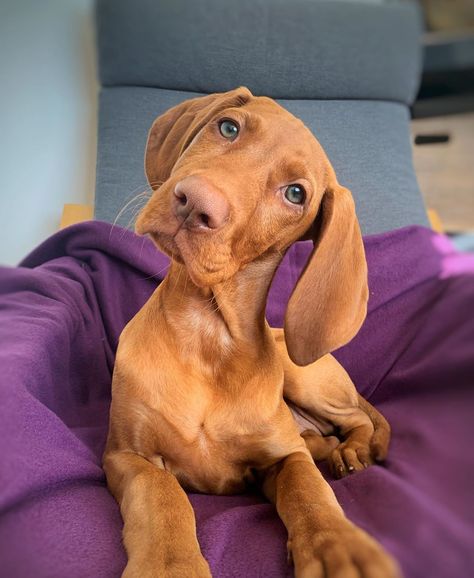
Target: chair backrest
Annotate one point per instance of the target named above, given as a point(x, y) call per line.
point(348, 69)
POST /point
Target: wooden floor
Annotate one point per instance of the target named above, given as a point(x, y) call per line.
point(446, 171)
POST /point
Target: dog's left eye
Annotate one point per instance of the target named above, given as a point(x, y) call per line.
point(229, 129)
point(295, 194)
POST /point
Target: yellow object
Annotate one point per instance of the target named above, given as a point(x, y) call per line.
point(75, 214)
point(435, 221)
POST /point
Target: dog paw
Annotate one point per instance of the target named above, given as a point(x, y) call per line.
point(350, 457)
point(342, 552)
point(319, 447)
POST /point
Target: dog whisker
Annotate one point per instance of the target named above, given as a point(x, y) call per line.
point(134, 216)
point(142, 196)
point(143, 191)
point(155, 274)
point(178, 277)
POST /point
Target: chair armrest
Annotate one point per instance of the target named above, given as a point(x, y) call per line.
point(73, 214)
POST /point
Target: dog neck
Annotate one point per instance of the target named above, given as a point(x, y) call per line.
point(232, 312)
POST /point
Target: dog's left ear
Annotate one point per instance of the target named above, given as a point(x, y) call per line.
point(329, 302)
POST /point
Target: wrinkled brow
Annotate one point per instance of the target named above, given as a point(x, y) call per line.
point(286, 172)
point(248, 120)
point(292, 170)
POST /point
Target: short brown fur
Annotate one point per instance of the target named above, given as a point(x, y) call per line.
point(206, 396)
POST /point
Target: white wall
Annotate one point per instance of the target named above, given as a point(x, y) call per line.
point(48, 117)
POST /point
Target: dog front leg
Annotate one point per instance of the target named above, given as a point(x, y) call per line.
point(159, 526)
point(325, 391)
point(322, 542)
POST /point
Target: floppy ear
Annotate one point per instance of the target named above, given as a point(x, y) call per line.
point(329, 302)
point(174, 130)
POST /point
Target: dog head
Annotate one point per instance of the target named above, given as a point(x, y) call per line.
point(236, 178)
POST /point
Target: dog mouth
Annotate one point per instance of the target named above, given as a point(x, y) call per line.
point(206, 253)
point(205, 262)
point(166, 244)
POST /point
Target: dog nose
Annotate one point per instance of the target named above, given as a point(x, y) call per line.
point(200, 204)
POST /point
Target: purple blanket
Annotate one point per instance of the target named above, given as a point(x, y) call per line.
point(60, 317)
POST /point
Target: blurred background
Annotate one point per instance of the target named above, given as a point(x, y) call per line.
point(48, 105)
point(48, 108)
point(444, 110)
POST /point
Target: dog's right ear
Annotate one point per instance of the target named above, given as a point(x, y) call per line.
point(173, 131)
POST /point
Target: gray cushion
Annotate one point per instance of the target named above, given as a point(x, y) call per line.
point(282, 48)
point(367, 142)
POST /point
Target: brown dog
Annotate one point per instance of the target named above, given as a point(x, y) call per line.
point(202, 386)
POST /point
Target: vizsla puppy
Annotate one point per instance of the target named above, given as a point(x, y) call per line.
point(206, 396)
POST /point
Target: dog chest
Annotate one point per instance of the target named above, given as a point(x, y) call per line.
point(215, 452)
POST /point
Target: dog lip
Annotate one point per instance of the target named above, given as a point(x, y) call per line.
point(166, 244)
point(187, 255)
point(178, 245)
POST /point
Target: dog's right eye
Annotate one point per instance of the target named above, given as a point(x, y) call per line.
point(229, 129)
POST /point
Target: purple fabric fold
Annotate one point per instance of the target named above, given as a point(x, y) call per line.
point(61, 313)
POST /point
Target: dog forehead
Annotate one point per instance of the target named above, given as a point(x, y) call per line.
point(281, 125)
